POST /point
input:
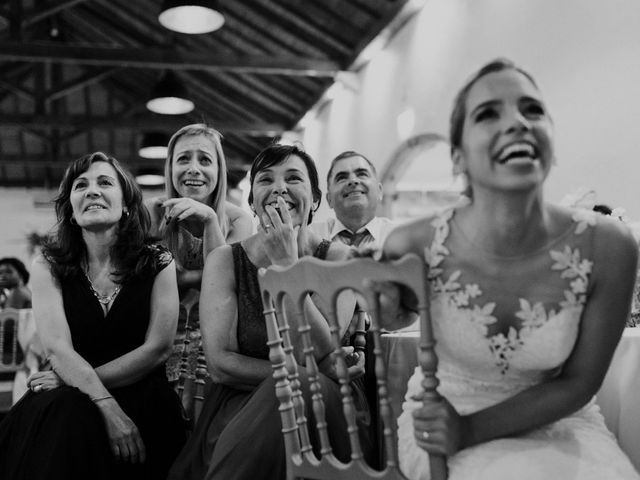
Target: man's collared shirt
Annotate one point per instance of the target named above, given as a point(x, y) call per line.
point(378, 229)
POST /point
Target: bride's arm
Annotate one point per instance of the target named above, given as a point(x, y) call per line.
point(602, 323)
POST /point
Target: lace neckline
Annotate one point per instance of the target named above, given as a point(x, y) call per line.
point(455, 295)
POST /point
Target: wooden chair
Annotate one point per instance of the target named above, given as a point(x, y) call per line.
point(191, 390)
point(11, 356)
point(328, 279)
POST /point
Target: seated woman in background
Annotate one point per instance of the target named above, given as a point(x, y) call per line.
point(238, 434)
point(193, 218)
point(106, 307)
point(14, 277)
point(528, 303)
point(14, 293)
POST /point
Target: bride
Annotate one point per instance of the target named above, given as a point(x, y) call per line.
point(529, 301)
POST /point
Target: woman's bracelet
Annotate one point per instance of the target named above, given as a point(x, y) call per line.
point(99, 399)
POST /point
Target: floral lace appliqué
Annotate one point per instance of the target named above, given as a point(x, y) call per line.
point(583, 218)
point(533, 316)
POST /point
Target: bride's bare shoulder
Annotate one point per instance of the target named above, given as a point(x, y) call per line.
point(410, 237)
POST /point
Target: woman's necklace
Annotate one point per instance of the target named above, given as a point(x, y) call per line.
point(103, 299)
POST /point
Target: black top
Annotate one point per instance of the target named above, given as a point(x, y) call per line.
point(252, 329)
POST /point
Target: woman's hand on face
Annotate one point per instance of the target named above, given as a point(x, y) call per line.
point(438, 428)
point(178, 209)
point(278, 234)
point(44, 381)
point(124, 437)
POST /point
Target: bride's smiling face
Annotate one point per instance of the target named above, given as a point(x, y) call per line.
point(289, 180)
point(507, 136)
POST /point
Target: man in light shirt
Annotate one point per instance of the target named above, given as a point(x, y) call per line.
point(354, 192)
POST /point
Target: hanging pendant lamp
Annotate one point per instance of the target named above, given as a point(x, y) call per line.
point(191, 16)
point(169, 96)
point(154, 145)
point(150, 177)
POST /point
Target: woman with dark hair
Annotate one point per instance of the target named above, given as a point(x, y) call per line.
point(193, 218)
point(528, 303)
point(105, 305)
point(238, 434)
point(14, 277)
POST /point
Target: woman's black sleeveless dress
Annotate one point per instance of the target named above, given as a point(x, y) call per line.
point(61, 434)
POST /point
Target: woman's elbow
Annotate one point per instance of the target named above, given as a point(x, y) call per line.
point(217, 371)
point(218, 375)
point(160, 352)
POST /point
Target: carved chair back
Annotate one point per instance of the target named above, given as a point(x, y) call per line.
point(328, 280)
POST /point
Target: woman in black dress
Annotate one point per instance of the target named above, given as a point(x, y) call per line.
point(105, 303)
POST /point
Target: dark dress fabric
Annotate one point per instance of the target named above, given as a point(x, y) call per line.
point(186, 366)
point(61, 434)
point(238, 434)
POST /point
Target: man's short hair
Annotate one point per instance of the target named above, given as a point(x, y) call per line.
point(347, 154)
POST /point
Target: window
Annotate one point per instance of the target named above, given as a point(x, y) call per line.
point(419, 180)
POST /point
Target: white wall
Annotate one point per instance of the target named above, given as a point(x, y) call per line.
point(585, 55)
point(20, 217)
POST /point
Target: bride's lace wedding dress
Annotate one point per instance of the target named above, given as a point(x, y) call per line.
point(480, 366)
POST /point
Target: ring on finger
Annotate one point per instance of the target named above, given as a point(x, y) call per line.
point(425, 435)
point(37, 388)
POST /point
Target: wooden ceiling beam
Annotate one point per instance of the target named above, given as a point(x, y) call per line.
point(143, 123)
point(16, 90)
point(162, 59)
point(79, 82)
point(48, 10)
point(21, 19)
point(131, 162)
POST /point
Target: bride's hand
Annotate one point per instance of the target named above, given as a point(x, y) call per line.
point(438, 428)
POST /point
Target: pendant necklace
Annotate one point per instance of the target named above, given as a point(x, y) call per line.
point(103, 299)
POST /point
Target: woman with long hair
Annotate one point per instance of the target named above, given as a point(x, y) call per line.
point(193, 218)
point(105, 303)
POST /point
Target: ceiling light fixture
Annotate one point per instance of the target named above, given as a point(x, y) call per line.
point(150, 177)
point(169, 96)
point(191, 16)
point(154, 145)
